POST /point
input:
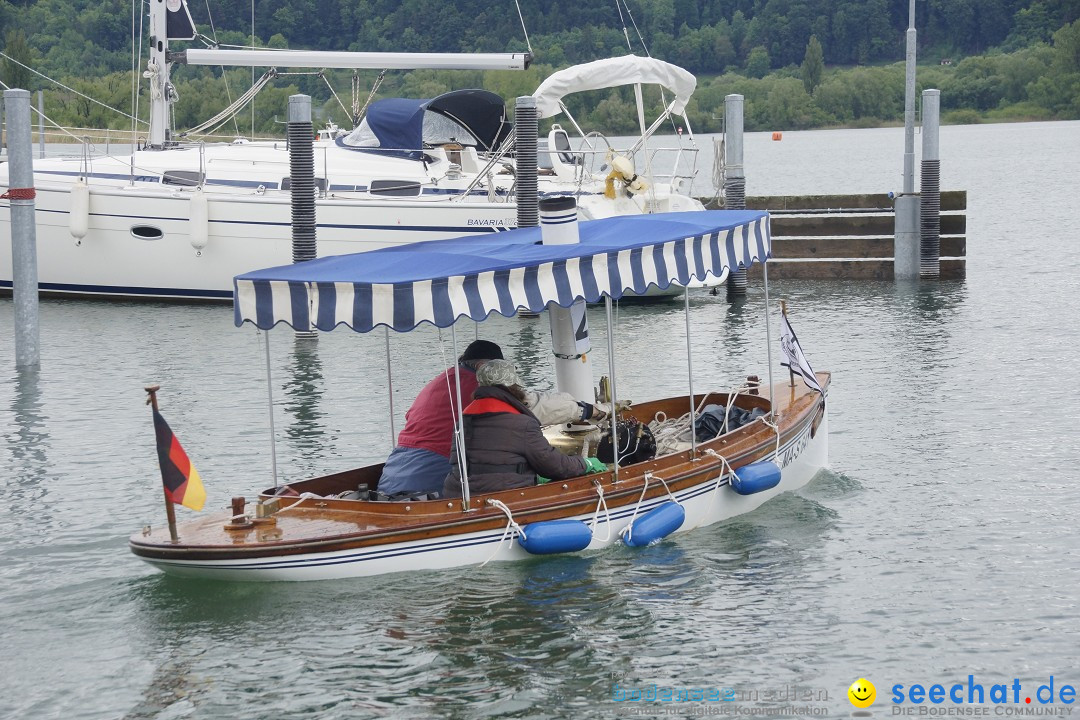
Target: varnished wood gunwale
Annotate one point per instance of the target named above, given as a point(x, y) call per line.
point(400, 522)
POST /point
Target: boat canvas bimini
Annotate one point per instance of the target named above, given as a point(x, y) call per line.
point(329, 528)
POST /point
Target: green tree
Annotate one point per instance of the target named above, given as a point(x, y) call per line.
point(1031, 25)
point(1067, 48)
point(788, 105)
point(16, 47)
point(1059, 90)
point(813, 65)
point(757, 64)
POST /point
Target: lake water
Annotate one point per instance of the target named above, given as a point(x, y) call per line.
point(942, 543)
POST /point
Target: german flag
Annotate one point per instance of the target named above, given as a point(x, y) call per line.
point(182, 483)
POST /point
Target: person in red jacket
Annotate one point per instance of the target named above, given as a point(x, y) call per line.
point(421, 459)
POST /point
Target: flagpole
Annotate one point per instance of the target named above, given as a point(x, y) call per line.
point(768, 335)
point(169, 512)
point(791, 373)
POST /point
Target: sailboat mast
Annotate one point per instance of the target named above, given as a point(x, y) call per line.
point(169, 19)
point(157, 71)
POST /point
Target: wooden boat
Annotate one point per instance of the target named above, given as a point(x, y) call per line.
point(322, 535)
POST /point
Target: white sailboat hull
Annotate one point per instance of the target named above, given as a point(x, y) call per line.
point(139, 238)
point(139, 242)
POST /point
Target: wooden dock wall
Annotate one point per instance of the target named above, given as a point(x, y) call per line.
point(851, 236)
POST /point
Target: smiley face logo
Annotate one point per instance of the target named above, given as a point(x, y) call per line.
point(862, 693)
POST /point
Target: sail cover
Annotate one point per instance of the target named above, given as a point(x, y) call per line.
point(442, 280)
point(614, 72)
point(399, 125)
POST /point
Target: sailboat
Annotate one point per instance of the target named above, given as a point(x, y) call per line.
point(179, 219)
point(330, 526)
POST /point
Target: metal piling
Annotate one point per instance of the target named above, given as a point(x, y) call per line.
point(21, 195)
point(734, 180)
point(930, 190)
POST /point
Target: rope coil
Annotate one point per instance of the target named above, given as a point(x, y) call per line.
point(19, 194)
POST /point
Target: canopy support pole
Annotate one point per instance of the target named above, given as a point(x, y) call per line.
point(390, 391)
point(463, 469)
point(652, 128)
point(644, 141)
point(573, 122)
point(611, 384)
point(270, 399)
point(690, 374)
point(768, 334)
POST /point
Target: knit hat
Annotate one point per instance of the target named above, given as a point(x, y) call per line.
point(498, 372)
point(481, 350)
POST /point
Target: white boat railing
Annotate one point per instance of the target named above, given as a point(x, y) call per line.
point(683, 163)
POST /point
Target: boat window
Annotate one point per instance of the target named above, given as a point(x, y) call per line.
point(183, 178)
point(436, 130)
point(320, 183)
point(394, 188)
point(362, 136)
point(146, 232)
point(440, 129)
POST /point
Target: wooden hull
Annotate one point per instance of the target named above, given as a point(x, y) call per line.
point(326, 538)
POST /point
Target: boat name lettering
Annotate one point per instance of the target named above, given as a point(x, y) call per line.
point(499, 222)
point(796, 448)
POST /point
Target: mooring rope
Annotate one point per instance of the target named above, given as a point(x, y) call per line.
point(775, 427)
point(664, 483)
point(303, 496)
point(596, 515)
point(510, 523)
point(628, 531)
point(719, 478)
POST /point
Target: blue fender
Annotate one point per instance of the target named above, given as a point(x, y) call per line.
point(755, 477)
point(655, 525)
point(555, 536)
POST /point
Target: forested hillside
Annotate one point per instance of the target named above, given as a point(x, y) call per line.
point(800, 63)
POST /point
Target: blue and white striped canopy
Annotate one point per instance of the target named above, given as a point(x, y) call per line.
point(442, 280)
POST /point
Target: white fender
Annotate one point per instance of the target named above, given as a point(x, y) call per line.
point(199, 223)
point(79, 214)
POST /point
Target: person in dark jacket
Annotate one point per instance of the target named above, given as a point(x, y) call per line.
point(504, 446)
point(419, 463)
